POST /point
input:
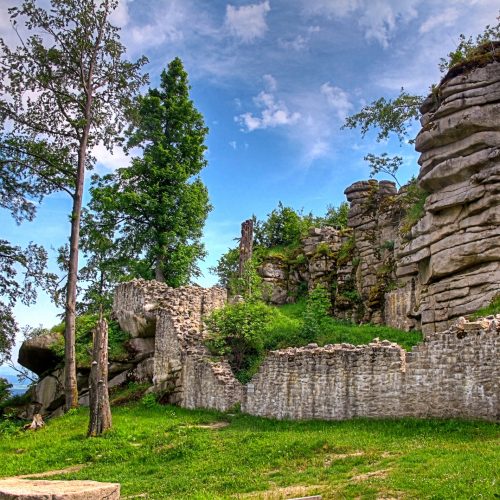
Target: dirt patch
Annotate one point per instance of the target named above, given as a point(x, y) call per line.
point(340, 456)
point(369, 475)
point(213, 426)
point(49, 473)
point(283, 493)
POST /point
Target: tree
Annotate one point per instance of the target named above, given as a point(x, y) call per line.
point(30, 263)
point(159, 205)
point(67, 89)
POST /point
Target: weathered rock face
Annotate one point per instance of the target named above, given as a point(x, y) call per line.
point(452, 374)
point(456, 246)
point(183, 372)
point(449, 263)
point(36, 353)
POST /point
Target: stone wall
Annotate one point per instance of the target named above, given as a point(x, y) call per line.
point(452, 374)
point(184, 373)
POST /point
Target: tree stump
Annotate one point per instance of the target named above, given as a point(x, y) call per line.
point(246, 245)
point(36, 423)
point(100, 411)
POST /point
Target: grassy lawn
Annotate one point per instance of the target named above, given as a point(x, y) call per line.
point(168, 452)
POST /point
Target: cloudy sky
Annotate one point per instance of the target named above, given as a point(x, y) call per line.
point(275, 80)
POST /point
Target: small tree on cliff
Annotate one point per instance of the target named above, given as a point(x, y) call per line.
point(159, 203)
point(67, 86)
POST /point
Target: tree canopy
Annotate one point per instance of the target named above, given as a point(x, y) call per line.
point(154, 211)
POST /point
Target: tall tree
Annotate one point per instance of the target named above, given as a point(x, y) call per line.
point(159, 204)
point(67, 89)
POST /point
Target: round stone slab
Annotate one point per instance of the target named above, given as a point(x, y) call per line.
point(25, 489)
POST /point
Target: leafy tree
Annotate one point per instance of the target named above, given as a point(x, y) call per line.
point(5, 388)
point(318, 306)
point(336, 216)
point(227, 267)
point(159, 204)
point(79, 91)
point(30, 263)
point(284, 226)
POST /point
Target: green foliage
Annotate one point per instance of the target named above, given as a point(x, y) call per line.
point(249, 285)
point(470, 48)
point(346, 250)
point(85, 325)
point(412, 202)
point(384, 164)
point(259, 458)
point(335, 216)
point(318, 306)
point(5, 388)
point(492, 308)
point(388, 116)
point(154, 211)
point(22, 271)
point(149, 401)
point(284, 226)
point(227, 267)
point(237, 332)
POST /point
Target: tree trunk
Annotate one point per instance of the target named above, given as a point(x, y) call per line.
point(246, 245)
point(100, 411)
point(36, 423)
point(70, 385)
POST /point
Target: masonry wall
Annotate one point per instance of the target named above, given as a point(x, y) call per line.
point(452, 374)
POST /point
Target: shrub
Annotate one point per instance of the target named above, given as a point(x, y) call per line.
point(237, 331)
point(413, 203)
point(317, 308)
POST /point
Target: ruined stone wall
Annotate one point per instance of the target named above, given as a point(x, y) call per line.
point(183, 371)
point(452, 374)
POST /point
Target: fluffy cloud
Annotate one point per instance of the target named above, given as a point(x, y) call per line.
point(247, 22)
point(274, 113)
point(378, 18)
point(337, 99)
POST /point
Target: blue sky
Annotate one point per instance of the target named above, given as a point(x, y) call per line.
point(274, 80)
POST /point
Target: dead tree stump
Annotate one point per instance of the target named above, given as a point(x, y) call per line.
point(246, 245)
point(100, 411)
point(36, 423)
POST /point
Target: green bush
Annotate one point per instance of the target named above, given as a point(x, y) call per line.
point(413, 203)
point(317, 310)
point(85, 324)
point(237, 332)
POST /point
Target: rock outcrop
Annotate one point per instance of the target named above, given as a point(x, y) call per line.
point(37, 354)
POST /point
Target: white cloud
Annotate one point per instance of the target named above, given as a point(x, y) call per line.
point(247, 22)
point(274, 113)
point(117, 158)
point(233, 145)
point(337, 99)
point(298, 43)
point(444, 19)
point(378, 18)
point(120, 16)
point(270, 83)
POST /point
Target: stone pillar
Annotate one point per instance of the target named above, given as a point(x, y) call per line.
point(246, 245)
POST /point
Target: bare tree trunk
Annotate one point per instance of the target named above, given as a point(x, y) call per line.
point(100, 411)
point(246, 245)
point(70, 384)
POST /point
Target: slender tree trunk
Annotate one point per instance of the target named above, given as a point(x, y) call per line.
point(100, 411)
point(159, 276)
point(70, 385)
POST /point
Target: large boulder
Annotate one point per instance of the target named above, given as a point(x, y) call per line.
point(25, 489)
point(37, 354)
point(49, 392)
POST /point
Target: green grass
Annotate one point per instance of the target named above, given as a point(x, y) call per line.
point(493, 308)
point(285, 331)
point(161, 452)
